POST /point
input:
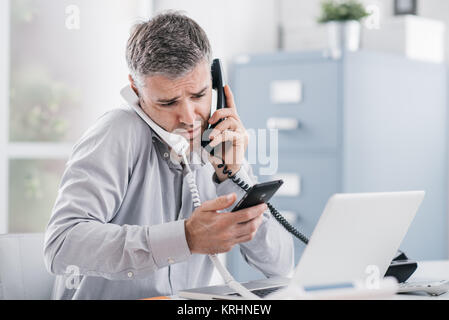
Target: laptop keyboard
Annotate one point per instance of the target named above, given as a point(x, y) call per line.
point(262, 293)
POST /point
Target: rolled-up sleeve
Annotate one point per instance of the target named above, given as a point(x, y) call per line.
point(94, 184)
point(271, 250)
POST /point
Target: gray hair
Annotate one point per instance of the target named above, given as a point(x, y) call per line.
point(170, 44)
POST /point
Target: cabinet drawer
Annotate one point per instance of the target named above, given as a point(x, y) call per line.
point(317, 178)
point(316, 113)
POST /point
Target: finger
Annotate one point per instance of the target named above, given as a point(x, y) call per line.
point(229, 97)
point(229, 146)
point(248, 214)
point(219, 203)
point(243, 239)
point(229, 123)
point(219, 159)
point(227, 135)
point(214, 160)
point(221, 114)
point(249, 227)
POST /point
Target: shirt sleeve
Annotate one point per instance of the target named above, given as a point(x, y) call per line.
point(93, 186)
point(271, 250)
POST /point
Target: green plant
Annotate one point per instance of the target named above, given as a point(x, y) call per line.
point(332, 10)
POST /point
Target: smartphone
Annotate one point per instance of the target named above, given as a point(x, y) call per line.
point(258, 194)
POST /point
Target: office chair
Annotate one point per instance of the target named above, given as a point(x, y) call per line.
point(23, 275)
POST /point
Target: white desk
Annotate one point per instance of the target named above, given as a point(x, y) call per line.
point(427, 270)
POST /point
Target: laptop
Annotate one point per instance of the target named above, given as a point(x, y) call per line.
point(355, 233)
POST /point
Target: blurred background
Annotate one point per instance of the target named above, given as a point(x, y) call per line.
point(357, 93)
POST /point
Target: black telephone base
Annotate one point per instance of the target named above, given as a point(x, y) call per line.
point(401, 269)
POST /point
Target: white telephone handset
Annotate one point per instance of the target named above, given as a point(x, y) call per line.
point(178, 143)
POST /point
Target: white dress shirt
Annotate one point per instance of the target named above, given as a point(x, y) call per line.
point(119, 218)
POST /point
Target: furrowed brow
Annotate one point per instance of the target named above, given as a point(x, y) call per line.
point(167, 100)
point(202, 91)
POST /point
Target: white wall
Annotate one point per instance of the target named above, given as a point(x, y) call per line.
point(250, 26)
point(233, 26)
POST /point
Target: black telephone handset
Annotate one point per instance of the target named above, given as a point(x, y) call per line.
point(218, 85)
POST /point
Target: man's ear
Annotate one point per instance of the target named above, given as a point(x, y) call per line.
point(133, 84)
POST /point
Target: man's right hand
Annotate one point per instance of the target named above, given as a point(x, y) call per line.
point(209, 232)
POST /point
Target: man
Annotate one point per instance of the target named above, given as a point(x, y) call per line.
point(123, 225)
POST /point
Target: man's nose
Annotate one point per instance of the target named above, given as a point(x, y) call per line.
point(188, 114)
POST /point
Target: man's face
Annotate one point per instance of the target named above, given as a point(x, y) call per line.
point(179, 105)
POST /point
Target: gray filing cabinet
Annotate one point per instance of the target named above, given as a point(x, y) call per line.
point(368, 122)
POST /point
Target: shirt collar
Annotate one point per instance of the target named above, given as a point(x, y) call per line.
point(196, 160)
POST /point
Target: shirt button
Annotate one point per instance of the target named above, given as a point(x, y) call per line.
point(170, 260)
point(166, 155)
point(130, 274)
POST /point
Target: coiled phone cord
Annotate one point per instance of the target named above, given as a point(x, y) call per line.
point(227, 277)
point(275, 213)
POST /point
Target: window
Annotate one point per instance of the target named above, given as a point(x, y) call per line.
point(65, 63)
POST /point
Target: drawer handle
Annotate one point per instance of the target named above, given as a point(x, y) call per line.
point(287, 124)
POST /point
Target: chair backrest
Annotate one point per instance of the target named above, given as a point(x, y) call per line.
point(22, 271)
